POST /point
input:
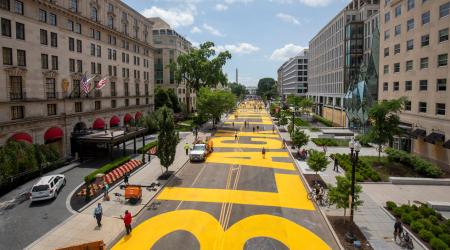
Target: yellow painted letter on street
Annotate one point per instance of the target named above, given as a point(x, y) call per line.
point(229, 142)
point(210, 235)
point(253, 159)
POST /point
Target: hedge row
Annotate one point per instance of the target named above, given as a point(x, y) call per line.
point(107, 168)
point(364, 172)
point(429, 225)
point(301, 123)
point(324, 121)
point(147, 146)
point(330, 142)
point(421, 166)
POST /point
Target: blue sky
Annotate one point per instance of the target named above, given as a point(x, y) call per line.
point(260, 34)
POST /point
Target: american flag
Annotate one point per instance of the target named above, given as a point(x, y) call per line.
point(85, 84)
point(102, 83)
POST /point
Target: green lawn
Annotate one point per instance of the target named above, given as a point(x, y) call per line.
point(386, 168)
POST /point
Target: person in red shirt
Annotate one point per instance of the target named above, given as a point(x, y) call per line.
point(127, 221)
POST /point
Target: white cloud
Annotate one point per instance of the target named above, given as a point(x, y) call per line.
point(196, 29)
point(288, 18)
point(237, 1)
point(221, 7)
point(176, 17)
point(212, 30)
point(240, 48)
point(286, 52)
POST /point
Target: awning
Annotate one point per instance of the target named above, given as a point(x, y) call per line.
point(98, 124)
point(137, 116)
point(418, 132)
point(435, 137)
point(127, 118)
point(447, 144)
point(53, 134)
point(22, 137)
point(114, 122)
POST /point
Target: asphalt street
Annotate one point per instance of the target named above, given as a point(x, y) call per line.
point(234, 200)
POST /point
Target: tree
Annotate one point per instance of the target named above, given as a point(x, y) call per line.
point(238, 89)
point(317, 161)
point(151, 121)
point(200, 67)
point(214, 103)
point(267, 88)
point(162, 98)
point(299, 138)
point(385, 122)
point(339, 195)
point(174, 100)
point(168, 138)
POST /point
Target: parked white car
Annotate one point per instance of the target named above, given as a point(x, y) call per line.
point(198, 153)
point(48, 187)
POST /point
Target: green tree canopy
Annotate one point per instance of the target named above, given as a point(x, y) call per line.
point(238, 89)
point(267, 88)
point(214, 103)
point(299, 138)
point(317, 161)
point(339, 195)
point(168, 98)
point(167, 139)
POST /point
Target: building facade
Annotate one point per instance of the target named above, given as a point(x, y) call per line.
point(48, 46)
point(168, 45)
point(414, 50)
point(336, 54)
point(293, 76)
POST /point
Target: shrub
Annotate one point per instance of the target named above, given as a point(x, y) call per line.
point(445, 238)
point(147, 146)
point(419, 165)
point(438, 244)
point(301, 123)
point(426, 211)
point(406, 218)
point(426, 235)
point(416, 215)
point(433, 219)
point(324, 121)
point(397, 211)
point(426, 223)
point(390, 205)
point(107, 168)
point(407, 208)
point(363, 171)
point(436, 229)
point(416, 226)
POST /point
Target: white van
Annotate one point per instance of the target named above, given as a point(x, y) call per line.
point(47, 187)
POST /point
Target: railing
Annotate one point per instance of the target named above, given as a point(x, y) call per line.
point(15, 96)
point(51, 95)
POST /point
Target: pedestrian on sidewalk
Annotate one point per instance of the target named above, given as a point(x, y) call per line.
point(106, 189)
point(233, 124)
point(257, 128)
point(186, 148)
point(284, 143)
point(273, 129)
point(336, 165)
point(398, 229)
point(98, 213)
point(263, 151)
point(125, 178)
point(253, 129)
point(235, 135)
point(127, 221)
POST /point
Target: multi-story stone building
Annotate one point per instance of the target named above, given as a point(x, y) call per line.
point(414, 50)
point(336, 54)
point(168, 45)
point(47, 47)
point(293, 76)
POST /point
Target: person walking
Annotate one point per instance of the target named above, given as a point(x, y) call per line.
point(253, 129)
point(125, 178)
point(98, 213)
point(263, 152)
point(235, 135)
point(273, 129)
point(398, 229)
point(257, 128)
point(186, 148)
point(127, 221)
point(106, 189)
point(233, 124)
point(336, 165)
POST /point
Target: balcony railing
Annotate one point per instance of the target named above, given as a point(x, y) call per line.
point(16, 96)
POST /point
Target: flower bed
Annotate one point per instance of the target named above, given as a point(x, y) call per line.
point(425, 222)
point(364, 172)
point(107, 168)
point(421, 166)
point(147, 146)
point(330, 142)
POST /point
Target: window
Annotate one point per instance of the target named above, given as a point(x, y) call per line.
point(442, 60)
point(17, 112)
point(94, 14)
point(407, 105)
point(76, 90)
point(409, 45)
point(386, 69)
point(110, 8)
point(127, 102)
point(110, 22)
point(73, 5)
point(20, 31)
point(44, 37)
point(99, 68)
point(99, 51)
point(42, 15)
point(79, 66)
point(444, 10)
point(396, 67)
point(113, 88)
point(70, 25)
point(425, 40)
point(409, 65)
point(408, 85)
point(50, 87)
point(424, 63)
point(4, 4)
point(423, 85)
point(92, 67)
point(77, 28)
point(52, 19)
point(18, 7)
point(387, 17)
point(386, 35)
point(6, 27)
point(396, 49)
point(397, 30)
point(441, 85)
point(138, 101)
point(78, 107)
point(53, 39)
point(21, 58)
point(92, 49)
point(410, 24)
point(422, 107)
point(54, 63)
point(72, 65)
point(16, 88)
point(113, 104)
point(398, 10)
point(51, 109)
point(125, 88)
point(71, 44)
point(98, 105)
point(7, 56)
point(440, 108)
point(385, 86)
point(396, 86)
point(79, 46)
point(44, 61)
point(425, 18)
point(411, 4)
point(443, 35)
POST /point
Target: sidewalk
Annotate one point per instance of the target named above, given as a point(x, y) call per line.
point(82, 227)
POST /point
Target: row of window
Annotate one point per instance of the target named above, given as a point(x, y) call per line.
point(8, 57)
point(444, 10)
point(442, 61)
point(18, 6)
point(441, 85)
point(423, 107)
point(424, 42)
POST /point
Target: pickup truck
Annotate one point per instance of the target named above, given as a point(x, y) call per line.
point(200, 150)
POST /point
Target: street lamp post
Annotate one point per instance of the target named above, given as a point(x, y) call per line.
point(355, 147)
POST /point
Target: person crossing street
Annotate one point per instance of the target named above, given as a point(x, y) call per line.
point(186, 148)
